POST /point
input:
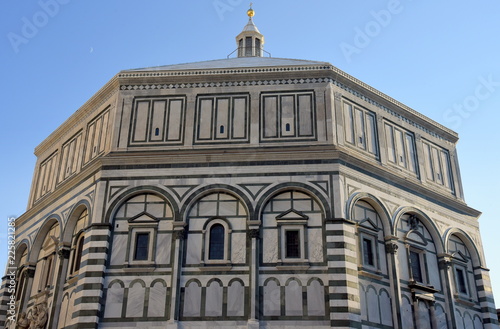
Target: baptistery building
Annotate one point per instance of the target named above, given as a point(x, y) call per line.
point(248, 192)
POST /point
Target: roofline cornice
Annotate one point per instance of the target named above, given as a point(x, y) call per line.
point(451, 135)
point(100, 97)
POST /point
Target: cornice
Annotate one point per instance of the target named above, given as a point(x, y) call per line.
point(453, 136)
point(224, 71)
point(98, 99)
point(74, 182)
point(299, 155)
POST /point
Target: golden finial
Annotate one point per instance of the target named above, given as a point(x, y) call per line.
point(251, 12)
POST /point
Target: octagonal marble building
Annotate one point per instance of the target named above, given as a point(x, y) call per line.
point(249, 192)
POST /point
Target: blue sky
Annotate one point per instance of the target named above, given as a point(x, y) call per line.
point(441, 58)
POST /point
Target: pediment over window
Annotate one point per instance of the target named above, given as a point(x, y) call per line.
point(416, 237)
point(143, 217)
point(292, 215)
point(369, 224)
point(460, 256)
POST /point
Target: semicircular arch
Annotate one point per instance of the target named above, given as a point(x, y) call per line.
point(41, 235)
point(426, 221)
point(199, 193)
point(375, 203)
point(138, 190)
point(310, 190)
point(477, 258)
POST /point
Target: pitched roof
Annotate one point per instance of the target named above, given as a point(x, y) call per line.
point(233, 63)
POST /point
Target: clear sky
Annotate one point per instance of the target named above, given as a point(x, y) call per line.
point(441, 58)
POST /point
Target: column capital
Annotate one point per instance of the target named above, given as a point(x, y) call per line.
point(444, 261)
point(180, 234)
point(253, 233)
point(63, 252)
point(391, 247)
point(29, 272)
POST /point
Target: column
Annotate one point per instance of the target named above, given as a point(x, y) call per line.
point(343, 285)
point(485, 294)
point(90, 284)
point(63, 253)
point(444, 261)
point(179, 236)
point(254, 235)
point(391, 248)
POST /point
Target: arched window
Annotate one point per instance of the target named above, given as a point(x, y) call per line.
point(215, 213)
point(463, 269)
point(78, 255)
point(48, 273)
point(216, 244)
point(78, 240)
point(21, 275)
point(45, 265)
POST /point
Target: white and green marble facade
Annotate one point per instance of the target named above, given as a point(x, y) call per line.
point(259, 146)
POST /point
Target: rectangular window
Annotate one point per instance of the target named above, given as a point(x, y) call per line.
point(401, 147)
point(248, 47)
point(222, 118)
point(288, 115)
point(461, 282)
point(416, 266)
point(46, 176)
point(348, 123)
point(97, 135)
point(292, 244)
point(437, 165)
point(141, 246)
point(368, 252)
point(428, 162)
point(360, 128)
point(389, 136)
point(410, 149)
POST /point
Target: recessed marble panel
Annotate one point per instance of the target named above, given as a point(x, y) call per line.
point(194, 244)
point(135, 300)
point(119, 249)
point(163, 248)
point(236, 299)
point(157, 300)
point(407, 314)
point(238, 248)
point(213, 302)
point(385, 308)
point(315, 299)
point(114, 301)
point(315, 244)
point(192, 300)
point(423, 318)
point(272, 299)
point(270, 243)
point(373, 305)
point(293, 299)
